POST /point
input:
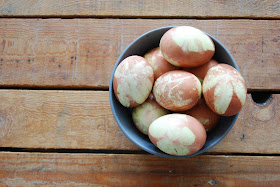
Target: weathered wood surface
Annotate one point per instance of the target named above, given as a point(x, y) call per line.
point(83, 120)
point(81, 53)
point(52, 169)
point(140, 8)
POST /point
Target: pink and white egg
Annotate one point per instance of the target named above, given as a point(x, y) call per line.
point(177, 134)
point(224, 90)
point(144, 114)
point(186, 46)
point(159, 64)
point(204, 115)
point(201, 71)
point(177, 90)
point(133, 81)
point(168, 79)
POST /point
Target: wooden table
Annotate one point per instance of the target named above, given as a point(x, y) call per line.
point(56, 125)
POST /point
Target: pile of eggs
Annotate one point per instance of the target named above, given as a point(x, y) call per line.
point(177, 92)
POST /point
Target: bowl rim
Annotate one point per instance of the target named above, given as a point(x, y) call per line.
point(111, 94)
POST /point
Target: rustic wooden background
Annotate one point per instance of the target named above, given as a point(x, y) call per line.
point(56, 125)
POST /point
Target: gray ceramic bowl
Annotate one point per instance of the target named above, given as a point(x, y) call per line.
point(123, 117)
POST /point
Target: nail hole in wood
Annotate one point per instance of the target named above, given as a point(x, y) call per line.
point(261, 98)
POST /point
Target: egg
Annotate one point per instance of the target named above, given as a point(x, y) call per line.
point(204, 115)
point(201, 71)
point(224, 90)
point(158, 62)
point(177, 90)
point(186, 46)
point(177, 134)
point(133, 81)
point(144, 114)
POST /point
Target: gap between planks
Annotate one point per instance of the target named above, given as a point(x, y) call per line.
point(117, 152)
point(268, 9)
point(105, 88)
point(139, 17)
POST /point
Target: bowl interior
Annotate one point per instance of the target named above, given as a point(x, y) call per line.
point(122, 115)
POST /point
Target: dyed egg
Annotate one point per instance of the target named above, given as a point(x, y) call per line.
point(186, 46)
point(158, 62)
point(224, 90)
point(177, 90)
point(201, 71)
point(204, 115)
point(133, 81)
point(177, 134)
point(144, 114)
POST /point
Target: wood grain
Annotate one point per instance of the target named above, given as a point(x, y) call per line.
point(52, 169)
point(83, 120)
point(81, 53)
point(140, 8)
point(59, 119)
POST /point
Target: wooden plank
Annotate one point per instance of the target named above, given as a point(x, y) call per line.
point(52, 169)
point(140, 8)
point(83, 120)
point(81, 53)
point(59, 119)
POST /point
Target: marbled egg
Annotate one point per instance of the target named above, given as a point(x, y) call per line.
point(177, 90)
point(133, 81)
point(186, 46)
point(144, 114)
point(201, 71)
point(159, 64)
point(224, 90)
point(204, 115)
point(177, 134)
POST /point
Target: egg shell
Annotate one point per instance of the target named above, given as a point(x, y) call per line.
point(159, 64)
point(133, 81)
point(201, 71)
point(186, 46)
point(204, 115)
point(144, 114)
point(177, 90)
point(224, 90)
point(177, 134)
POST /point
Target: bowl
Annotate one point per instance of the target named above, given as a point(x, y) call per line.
point(123, 115)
